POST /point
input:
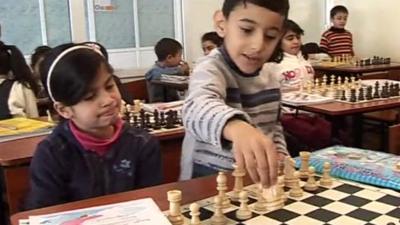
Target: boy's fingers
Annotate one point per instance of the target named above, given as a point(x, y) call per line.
point(251, 167)
point(273, 163)
point(238, 158)
point(262, 165)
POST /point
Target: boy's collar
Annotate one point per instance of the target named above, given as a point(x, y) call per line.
point(337, 30)
point(232, 64)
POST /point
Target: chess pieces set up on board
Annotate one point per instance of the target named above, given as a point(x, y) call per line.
point(376, 60)
point(350, 89)
point(268, 199)
point(157, 120)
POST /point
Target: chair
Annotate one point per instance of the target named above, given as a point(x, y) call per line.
point(394, 139)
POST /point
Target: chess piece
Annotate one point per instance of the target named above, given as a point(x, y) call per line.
point(218, 218)
point(361, 94)
point(280, 189)
point(289, 171)
point(368, 95)
point(376, 90)
point(260, 204)
point(137, 106)
point(305, 157)
point(343, 98)
point(243, 213)
point(174, 215)
point(272, 200)
point(311, 183)
point(353, 97)
point(157, 124)
point(326, 179)
point(238, 173)
point(194, 213)
point(222, 187)
point(296, 191)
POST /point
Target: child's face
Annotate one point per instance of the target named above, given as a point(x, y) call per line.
point(207, 46)
point(339, 20)
point(98, 111)
point(250, 34)
point(291, 43)
point(174, 60)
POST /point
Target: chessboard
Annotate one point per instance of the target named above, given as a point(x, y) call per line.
point(342, 203)
point(351, 90)
point(351, 61)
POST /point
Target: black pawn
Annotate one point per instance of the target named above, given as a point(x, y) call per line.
point(361, 94)
point(376, 90)
point(353, 97)
point(343, 98)
point(156, 125)
point(368, 95)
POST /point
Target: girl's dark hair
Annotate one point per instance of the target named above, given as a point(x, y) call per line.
point(289, 25)
point(38, 53)
point(73, 74)
point(12, 59)
point(279, 6)
point(213, 37)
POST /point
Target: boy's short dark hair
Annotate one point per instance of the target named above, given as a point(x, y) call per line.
point(39, 52)
point(213, 37)
point(165, 47)
point(338, 9)
point(279, 6)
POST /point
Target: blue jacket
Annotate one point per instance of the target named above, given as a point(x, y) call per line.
point(63, 171)
point(158, 93)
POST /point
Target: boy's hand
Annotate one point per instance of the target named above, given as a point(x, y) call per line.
point(254, 151)
point(185, 67)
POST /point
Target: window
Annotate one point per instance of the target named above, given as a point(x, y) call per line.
point(30, 23)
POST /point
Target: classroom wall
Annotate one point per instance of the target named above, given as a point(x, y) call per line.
point(197, 19)
point(374, 25)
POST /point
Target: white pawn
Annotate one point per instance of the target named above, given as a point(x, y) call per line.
point(243, 213)
point(311, 184)
point(238, 173)
point(326, 179)
point(175, 216)
point(218, 218)
point(305, 158)
point(296, 191)
point(195, 213)
point(222, 186)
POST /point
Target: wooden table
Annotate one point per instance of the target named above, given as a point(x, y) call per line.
point(180, 86)
point(192, 190)
point(16, 155)
point(334, 110)
point(358, 70)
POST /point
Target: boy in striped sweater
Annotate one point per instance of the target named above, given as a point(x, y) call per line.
point(337, 41)
point(232, 109)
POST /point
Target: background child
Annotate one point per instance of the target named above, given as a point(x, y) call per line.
point(92, 152)
point(232, 107)
point(18, 88)
point(37, 57)
point(302, 130)
point(169, 54)
point(337, 40)
point(291, 67)
point(209, 41)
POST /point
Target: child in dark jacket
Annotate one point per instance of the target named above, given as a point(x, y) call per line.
point(92, 152)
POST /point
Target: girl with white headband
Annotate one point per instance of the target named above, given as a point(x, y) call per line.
point(92, 152)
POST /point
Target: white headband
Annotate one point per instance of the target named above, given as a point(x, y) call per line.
point(94, 48)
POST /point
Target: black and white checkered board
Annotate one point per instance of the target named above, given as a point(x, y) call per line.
point(344, 203)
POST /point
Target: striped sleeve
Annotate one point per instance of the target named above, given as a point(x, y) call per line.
point(205, 112)
point(324, 44)
point(279, 139)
